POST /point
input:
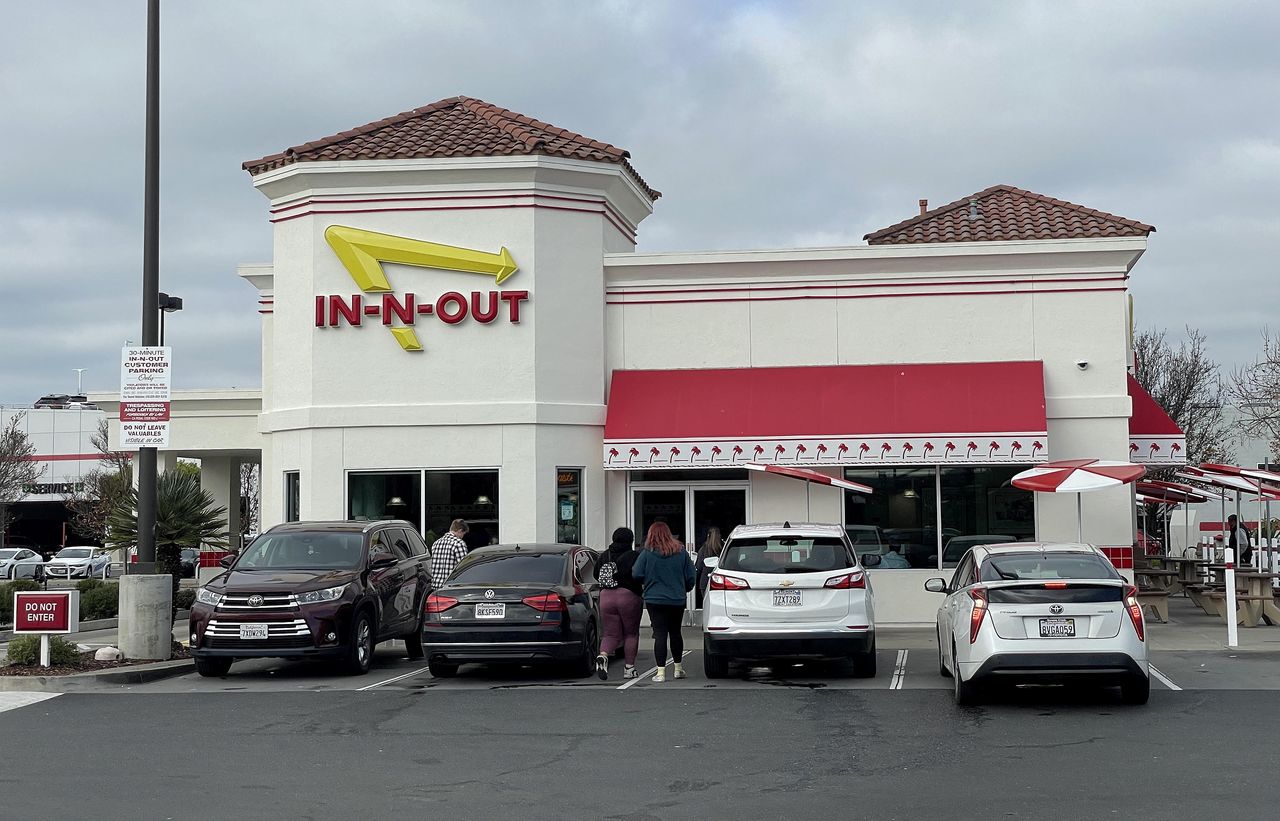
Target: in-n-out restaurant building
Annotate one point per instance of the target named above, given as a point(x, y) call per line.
point(456, 323)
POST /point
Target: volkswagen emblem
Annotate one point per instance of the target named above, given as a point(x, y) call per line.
point(1055, 609)
point(488, 594)
point(255, 600)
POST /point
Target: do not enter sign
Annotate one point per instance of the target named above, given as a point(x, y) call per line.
point(57, 612)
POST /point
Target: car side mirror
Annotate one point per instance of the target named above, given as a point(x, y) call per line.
point(936, 586)
point(381, 562)
point(227, 560)
point(711, 562)
point(870, 560)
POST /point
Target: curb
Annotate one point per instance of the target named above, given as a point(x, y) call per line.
point(136, 674)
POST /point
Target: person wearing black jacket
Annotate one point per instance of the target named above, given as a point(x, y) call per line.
point(621, 604)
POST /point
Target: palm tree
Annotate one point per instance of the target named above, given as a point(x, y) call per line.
point(186, 516)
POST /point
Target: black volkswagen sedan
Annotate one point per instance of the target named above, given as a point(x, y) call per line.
point(515, 604)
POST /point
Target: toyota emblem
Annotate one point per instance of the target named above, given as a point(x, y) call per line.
point(488, 594)
point(255, 600)
point(1055, 609)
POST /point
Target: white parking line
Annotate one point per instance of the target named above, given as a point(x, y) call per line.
point(633, 682)
point(899, 671)
point(12, 701)
point(392, 680)
point(1162, 678)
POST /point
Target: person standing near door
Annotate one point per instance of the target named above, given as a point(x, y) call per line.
point(447, 551)
point(710, 549)
point(667, 573)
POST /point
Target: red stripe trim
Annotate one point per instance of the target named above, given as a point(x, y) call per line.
point(67, 457)
point(885, 284)
point(512, 195)
point(898, 295)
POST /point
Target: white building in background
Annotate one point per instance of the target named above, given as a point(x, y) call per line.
point(455, 322)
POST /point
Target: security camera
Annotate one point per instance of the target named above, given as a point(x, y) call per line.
point(1082, 364)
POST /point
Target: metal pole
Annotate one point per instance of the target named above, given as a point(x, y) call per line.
point(1230, 559)
point(150, 282)
point(1080, 518)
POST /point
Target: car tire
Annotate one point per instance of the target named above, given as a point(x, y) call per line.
point(714, 665)
point(966, 693)
point(440, 669)
point(585, 665)
point(107, 572)
point(413, 643)
point(942, 664)
point(360, 649)
point(214, 667)
point(864, 663)
point(1136, 690)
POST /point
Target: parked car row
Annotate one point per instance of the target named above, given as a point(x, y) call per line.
point(67, 563)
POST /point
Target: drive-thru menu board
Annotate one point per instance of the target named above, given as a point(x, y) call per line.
point(144, 397)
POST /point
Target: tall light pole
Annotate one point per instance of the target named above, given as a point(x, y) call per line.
point(150, 283)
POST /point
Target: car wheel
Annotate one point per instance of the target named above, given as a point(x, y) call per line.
point(942, 664)
point(1136, 690)
point(966, 692)
point(413, 643)
point(107, 572)
point(360, 651)
point(38, 575)
point(864, 663)
point(714, 665)
point(215, 667)
point(440, 669)
point(585, 665)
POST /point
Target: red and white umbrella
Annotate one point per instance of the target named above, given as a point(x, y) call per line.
point(808, 477)
point(1078, 476)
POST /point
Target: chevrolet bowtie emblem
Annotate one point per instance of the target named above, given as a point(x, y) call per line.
point(787, 583)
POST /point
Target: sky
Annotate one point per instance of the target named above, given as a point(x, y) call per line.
point(784, 124)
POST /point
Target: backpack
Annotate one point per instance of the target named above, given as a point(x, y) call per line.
point(607, 575)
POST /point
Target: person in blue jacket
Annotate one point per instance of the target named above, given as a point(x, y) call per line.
point(668, 575)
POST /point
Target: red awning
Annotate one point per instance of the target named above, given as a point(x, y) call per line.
point(963, 413)
point(1154, 438)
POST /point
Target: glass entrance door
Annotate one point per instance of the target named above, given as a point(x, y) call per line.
point(690, 511)
point(668, 505)
point(719, 508)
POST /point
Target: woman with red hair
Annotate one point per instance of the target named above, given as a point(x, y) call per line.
point(668, 575)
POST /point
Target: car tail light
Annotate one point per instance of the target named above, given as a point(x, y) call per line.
point(435, 605)
point(547, 603)
point(979, 596)
point(1056, 585)
point(1135, 610)
point(849, 581)
point(719, 581)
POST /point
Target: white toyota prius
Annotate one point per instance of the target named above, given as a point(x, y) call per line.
point(788, 591)
point(1032, 613)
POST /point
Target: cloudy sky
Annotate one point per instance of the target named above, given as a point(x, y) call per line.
point(764, 125)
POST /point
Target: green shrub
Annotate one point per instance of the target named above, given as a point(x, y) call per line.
point(100, 602)
point(26, 650)
point(7, 589)
point(85, 585)
point(185, 599)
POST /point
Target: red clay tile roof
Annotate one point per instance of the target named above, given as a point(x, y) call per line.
point(456, 127)
point(1003, 213)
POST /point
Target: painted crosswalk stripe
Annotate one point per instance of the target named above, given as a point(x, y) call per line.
point(646, 674)
point(12, 701)
point(1162, 678)
point(393, 680)
point(899, 671)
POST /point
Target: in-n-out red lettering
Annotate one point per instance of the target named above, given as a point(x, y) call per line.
point(452, 307)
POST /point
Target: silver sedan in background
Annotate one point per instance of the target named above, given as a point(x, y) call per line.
point(79, 563)
point(21, 563)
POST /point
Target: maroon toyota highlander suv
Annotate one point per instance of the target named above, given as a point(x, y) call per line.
point(314, 589)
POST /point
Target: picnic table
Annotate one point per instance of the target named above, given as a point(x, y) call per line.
point(1189, 569)
point(1157, 578)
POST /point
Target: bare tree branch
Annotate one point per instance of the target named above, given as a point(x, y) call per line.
point(1255, 390)
point(1186, 383)
point(17, 469)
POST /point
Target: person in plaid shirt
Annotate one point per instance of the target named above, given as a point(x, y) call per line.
point(447, 551)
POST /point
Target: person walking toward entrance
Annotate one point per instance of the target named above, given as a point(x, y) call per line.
point(621, 604)
point(666, 569)
point(710, 549)
point(447, 551)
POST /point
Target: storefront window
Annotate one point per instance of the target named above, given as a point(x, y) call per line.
point(980, 506)
point(899, 517)
point(470, 495)
point(292, 496)
point(373, 496)
point(569, 505)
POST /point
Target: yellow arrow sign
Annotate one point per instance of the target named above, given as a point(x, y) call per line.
point(362, 253)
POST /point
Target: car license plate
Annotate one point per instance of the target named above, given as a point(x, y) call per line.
point(1057, 628)
point(253, 631)
point(490, 610)
point(786, 598)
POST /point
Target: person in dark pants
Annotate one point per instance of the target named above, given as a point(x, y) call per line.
point(1239, 541)
point(666, 570)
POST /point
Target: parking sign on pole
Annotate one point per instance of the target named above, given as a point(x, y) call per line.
point(145, 373)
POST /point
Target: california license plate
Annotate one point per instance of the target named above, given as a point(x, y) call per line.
point(786, 598)
point(491, 610)
point(253, 631)
point(1057, 628)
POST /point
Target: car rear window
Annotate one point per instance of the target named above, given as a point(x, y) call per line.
point(1038, 566)
point(513, 568)
point(786, 555)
